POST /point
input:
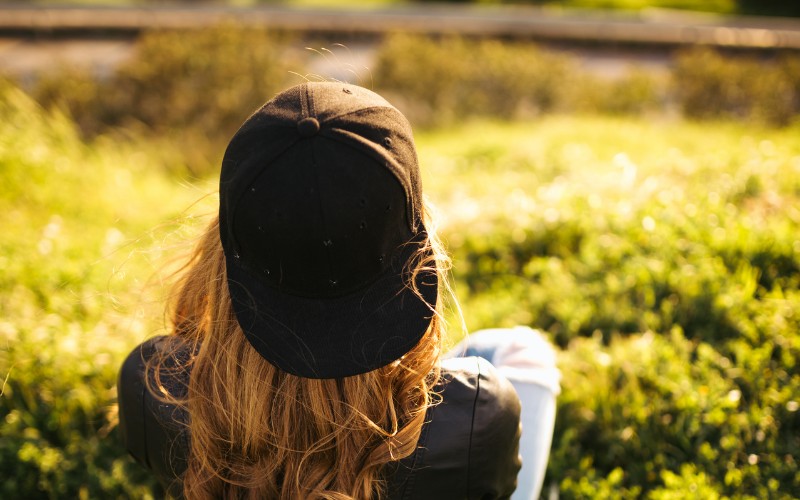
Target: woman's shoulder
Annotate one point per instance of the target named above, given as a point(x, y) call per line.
point(164, 354)
point(474, 391)
point(134, 363)
point(472, 388)
point(133, 367)
point(469, 447)
point(151, 429)
point(476, 378)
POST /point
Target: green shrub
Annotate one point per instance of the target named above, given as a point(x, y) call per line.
point(662, 256)
point(439, 81)
point(187, 87)
point(76, 220)
point(624, 258)
point(636, 92)
point(664, 259)
point(708, 85)
point(673, 418)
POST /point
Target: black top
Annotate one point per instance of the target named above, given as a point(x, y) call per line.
point(468, 447)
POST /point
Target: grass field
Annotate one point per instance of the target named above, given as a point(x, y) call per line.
point(663, 257)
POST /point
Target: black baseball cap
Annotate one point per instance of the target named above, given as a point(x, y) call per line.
point(321, 224)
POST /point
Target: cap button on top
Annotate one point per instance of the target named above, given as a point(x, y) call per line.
point(308, 127)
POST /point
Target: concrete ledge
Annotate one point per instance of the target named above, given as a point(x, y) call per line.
point(649, 28)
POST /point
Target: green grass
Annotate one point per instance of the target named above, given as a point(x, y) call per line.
point(598, 193)
point(661, 256)
point(83, 230)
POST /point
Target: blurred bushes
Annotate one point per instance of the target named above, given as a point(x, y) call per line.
point(192, 88)
point(439, 81)
point(671, 418)
point(708, 85)
point(615, 276)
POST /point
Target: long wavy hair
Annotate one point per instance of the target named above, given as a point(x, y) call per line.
point(259, 432)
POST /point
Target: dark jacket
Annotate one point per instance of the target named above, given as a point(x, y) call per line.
point(468, 447)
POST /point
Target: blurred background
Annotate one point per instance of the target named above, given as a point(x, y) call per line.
point(621, 174)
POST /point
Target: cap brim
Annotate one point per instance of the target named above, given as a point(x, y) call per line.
point(340, 336)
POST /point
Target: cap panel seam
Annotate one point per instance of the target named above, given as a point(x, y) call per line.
point(305, 99)
point(362, 110)
point(323, 218)
point(234, 205)
point(387, 161)
point(416, 232)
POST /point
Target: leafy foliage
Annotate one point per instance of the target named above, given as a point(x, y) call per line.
point(441, 81)
point(75, 221)
point(662, 256)
point(708, 85)
point(664, 259)
point(186, 90)
point(185, 87)
point(467, 78)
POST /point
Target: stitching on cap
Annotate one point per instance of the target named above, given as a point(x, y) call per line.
point(308, 105)
point(365, 109)
point(304, 101)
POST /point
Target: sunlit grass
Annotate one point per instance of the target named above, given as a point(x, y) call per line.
point(85, 230)
point(606, 165)
point(663, 257)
